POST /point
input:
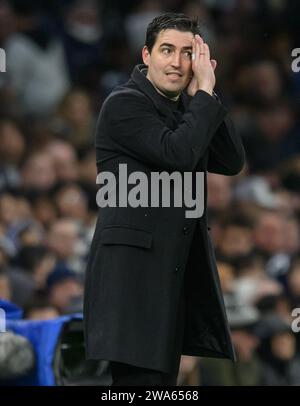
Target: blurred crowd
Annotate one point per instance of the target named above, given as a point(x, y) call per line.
point(63, 57)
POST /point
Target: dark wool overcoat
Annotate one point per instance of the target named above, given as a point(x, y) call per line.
point(141, 257)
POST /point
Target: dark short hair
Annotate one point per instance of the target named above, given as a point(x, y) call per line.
point(177, 21)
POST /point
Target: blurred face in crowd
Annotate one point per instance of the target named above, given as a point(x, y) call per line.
point(71, 202)
point(62, 293)
point(45, 211)
point(169, 62)
point(38, 172)
point(261, 80)
point(219, 192)
point(269, 234)
point(62, 238)
point(77, 108)
point(283, 346)
point(83, 21)
point(64, 159)
point(276, 121)
point(236, 241)
point(245, 344)
point(267, 80)
point(12, 143)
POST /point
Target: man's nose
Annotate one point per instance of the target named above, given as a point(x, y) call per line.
point(176, 60)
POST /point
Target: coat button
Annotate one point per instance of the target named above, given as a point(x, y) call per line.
point(185, 230)
point(177, 268)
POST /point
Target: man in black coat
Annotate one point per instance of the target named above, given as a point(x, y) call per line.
point(152, 290)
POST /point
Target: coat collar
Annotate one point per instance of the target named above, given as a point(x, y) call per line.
point(138, 76)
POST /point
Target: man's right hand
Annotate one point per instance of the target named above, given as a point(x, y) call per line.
point(203, 68)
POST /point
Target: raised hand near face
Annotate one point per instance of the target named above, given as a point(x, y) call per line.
point(203, 68)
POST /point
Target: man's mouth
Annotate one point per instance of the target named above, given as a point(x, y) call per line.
point(174, 75)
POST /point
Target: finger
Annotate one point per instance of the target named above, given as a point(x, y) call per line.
point(197, 51)
point(207, 51)
point(193, 49)
point(202, 52)
point(199, 39)
point(213, 63)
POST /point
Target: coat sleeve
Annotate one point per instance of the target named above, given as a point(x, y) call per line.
point(226, 151)
point(132, 123)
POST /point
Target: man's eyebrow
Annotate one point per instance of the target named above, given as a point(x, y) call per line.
point(164, 44)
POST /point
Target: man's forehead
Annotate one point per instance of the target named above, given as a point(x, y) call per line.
point(177, 38)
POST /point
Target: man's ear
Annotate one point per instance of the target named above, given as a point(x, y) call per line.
point(146, 55)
